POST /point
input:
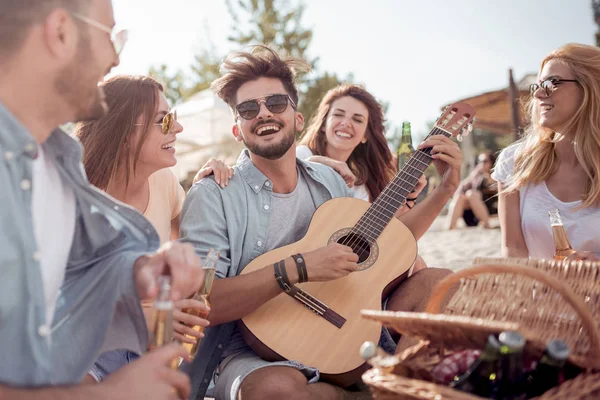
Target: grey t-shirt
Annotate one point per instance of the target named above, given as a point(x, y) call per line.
point(288, 223)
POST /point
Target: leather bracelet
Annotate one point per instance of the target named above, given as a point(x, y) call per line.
point(284, 274)
point(279, 278)
point(301, 266)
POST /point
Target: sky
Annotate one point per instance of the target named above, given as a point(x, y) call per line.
point(415, 55)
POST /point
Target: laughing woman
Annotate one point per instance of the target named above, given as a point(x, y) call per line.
point(127, 153)
point(347, 133)
point(557, 164)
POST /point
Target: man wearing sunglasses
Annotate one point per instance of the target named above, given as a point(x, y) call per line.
point(269, 203)
point(74, 263)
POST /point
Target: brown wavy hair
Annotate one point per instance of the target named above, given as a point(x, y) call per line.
point(261, 62)
point(371, 162)
point(106, 150)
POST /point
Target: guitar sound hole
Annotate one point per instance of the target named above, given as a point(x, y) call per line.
point(359, 245)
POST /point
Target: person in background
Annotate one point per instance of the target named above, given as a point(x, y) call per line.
point(475, 199)
point(75, 264)
point(557, 163)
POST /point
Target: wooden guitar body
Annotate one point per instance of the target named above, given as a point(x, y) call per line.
point(293, 332)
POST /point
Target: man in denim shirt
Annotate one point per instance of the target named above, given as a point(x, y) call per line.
point(268, 203)
point(74, 263)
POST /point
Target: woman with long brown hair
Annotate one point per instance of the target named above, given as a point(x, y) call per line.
point(557, 163)
point(347, 133)
point(348, 130)
point(127, 153)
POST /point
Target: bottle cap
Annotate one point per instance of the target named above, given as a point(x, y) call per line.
point(513, 340)
point(492, 343)
point(368, 350)
point(558, 349)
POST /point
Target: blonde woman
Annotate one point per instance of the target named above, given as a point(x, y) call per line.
point(557, 163)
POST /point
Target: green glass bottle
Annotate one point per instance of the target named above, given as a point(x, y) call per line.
point(511, 385)
point(480, 379)
point(548, 372)
point(405, 148)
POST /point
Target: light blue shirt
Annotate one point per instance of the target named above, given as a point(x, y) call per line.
point(234, 220)
point(98, 308)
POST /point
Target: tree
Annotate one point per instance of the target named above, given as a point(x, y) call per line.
point(204, 69)
point(276, 23)
point(175, 85)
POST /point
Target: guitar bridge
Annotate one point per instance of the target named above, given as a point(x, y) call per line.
point(318, 307)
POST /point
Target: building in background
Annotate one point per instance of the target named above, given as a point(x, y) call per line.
point(207, 122)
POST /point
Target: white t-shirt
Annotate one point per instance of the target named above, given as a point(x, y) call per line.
point(582, 226)
point(359, 191)
point(53, 208)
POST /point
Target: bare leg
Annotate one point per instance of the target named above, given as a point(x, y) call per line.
point(479, 209)
point(419, 265)
point(275, 383)
point(412, 296)
point(457, 207)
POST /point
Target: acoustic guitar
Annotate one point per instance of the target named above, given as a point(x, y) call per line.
point(321, 326)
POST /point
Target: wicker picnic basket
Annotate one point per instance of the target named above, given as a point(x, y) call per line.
point(543, 300)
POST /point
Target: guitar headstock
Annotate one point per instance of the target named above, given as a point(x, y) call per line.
point(457, 119)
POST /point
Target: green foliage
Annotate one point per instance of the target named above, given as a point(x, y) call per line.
point(204, 70)
point(277, 23)
point(175, 85)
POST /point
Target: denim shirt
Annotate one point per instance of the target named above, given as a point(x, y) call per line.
point(98, 308)
point(234, 220)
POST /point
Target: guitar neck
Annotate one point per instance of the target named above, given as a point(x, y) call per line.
point(383, 209)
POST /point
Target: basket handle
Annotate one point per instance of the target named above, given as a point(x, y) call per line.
point(434, 305)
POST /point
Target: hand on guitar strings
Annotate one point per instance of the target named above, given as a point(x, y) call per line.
point(331, 262)
point(447, 158)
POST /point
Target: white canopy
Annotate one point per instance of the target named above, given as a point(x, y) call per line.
point(207, 122)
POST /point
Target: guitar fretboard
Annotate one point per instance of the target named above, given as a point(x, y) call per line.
point(383, 209)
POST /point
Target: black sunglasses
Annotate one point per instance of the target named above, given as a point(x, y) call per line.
point(549, 85)
point(276, 103)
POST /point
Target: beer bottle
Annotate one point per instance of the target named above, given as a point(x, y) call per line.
point(549, 370)
point(162, 324)
point(209, 268)
point(562, 246)
point(511, 385)
point(405, 148)
point(480, 379)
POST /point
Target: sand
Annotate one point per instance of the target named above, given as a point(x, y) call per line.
point(457, 248)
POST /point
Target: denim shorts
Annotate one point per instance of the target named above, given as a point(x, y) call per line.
point(234, 369)
point(110, 362)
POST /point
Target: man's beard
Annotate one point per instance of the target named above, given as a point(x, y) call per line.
point(274, 151)
point(74, 84)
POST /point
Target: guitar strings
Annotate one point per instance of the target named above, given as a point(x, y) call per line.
point(378, 205)
point(382, 207)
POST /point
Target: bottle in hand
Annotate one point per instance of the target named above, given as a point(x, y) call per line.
point(162, 324)
point(480, 379)
point(562, 246)
point(209, 268)
point(549, 371)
